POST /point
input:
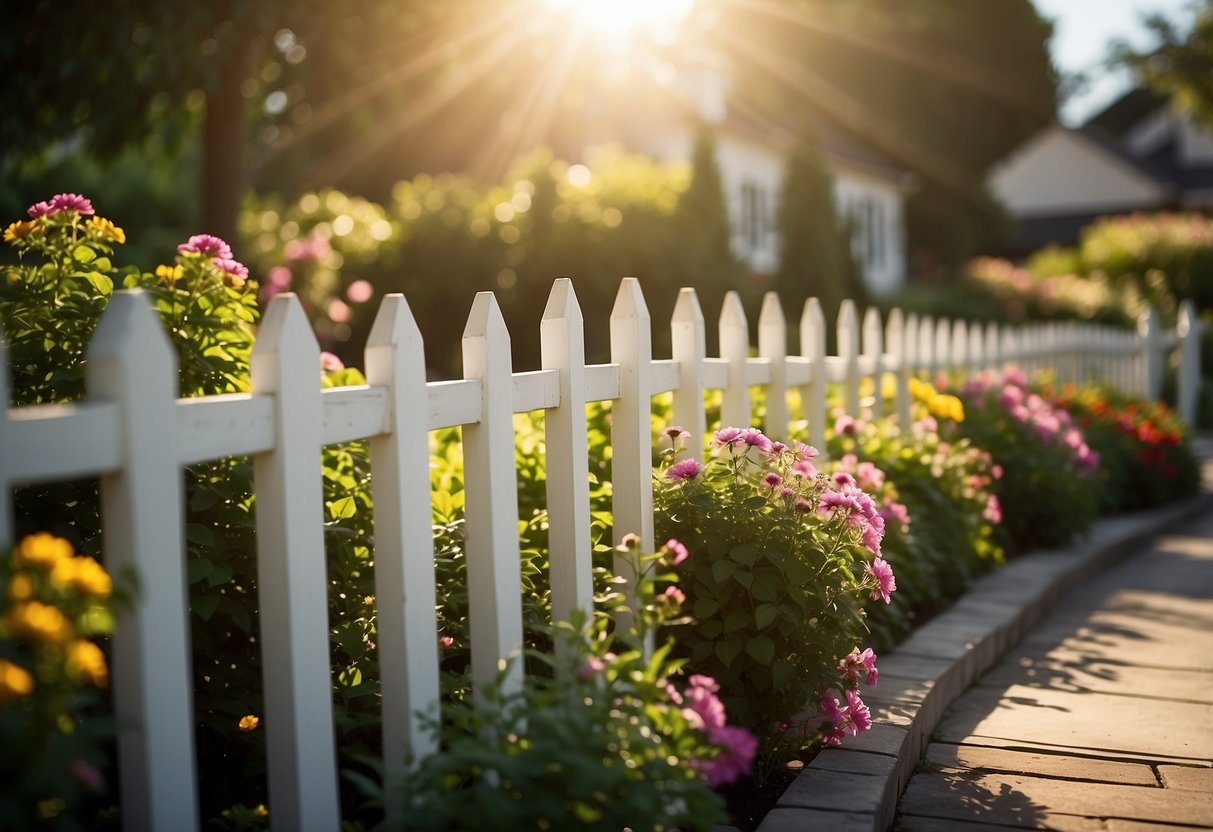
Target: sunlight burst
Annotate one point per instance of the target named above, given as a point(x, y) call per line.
point(622, 18)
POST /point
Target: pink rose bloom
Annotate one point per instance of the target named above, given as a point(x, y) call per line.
point(738, 748)
point(688, 469)
point(886, 584)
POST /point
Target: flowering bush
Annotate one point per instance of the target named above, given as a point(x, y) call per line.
point(53, 605)
point(1031, 297)
point(602, 739)
point(1047, 491)
point(1145, 456)
point(779, 559)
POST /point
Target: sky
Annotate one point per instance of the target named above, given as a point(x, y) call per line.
point(1082, 31)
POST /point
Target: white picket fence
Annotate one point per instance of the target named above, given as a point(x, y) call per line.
point(136, 435)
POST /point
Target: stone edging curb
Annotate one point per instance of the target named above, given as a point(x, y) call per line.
point(857, 786)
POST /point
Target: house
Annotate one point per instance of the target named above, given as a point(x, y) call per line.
point(1139, 154)
point(662, 119)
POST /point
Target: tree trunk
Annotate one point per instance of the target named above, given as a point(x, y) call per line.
point(222, 172)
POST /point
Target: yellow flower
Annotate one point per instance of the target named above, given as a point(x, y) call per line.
point(86, 658)
point(15, 682)
point(169, 274)
point(19, 230)
point(41, 549)
point(83, 573)
point(108, 229)
point(20, 588)
point(249, 723)
point(369, 600)
point(38, 621)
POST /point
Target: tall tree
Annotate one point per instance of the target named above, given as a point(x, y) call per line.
point(1180, 66)
point(815, 255)
point(703, 222)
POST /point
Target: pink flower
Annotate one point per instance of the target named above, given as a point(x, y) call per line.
point(71, 202)
point(446, 642)
point(804, 468)
point(688, 469)
point(738, 747)
point(869, 477)
point(330, 363)
point(310, 248)
point(728, 437)
point(206, 244)
point(676, 595)
point(993, 510)
point(846, 425)
point(676, 433)
point(843, 479)
point(860, 716)
point(41, 209)
point(233, 270)
point(360, 291)
point(854, 661)
point(777, 449)
point(678, 550)
point(896, 512)
point(804, 451)
point(592, 667)
point(873, 533)
point(772, 480)
point(886, 584)
point(756, 439)
point(830, 709)
point(700, 697)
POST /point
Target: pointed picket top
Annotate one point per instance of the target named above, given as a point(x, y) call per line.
point(284, 321)
point(1187, 320)
point(688, 341)
point(394, 326)
point(562, 302)
point(873, 346)
point(485, 319)
point(773, 345)
point(629, 302)
point(130, 334)
point(813, 347)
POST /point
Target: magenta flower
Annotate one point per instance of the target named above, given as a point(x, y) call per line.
point(804, 451)
point(843, 479)
point(886, 584)
point(830, 709)
point(855, 662)
point(802, 505)
point(233, 270)
point(678, 550)
point(804, 468)
point(675, 595)
point(993, 510)
point(330, 363)
point(860, 715)
point(592, 667)
point(772, 480)
point(206, 244)
point(846, 425)
point(446, 642)
point(71, 202)
point(738, 748)
point(728, 437)
point(676, 432)
point(688, 469)
point(873, 534)
point(756, 439)
point(41, 209)
point(701, 699)
point(896, 512)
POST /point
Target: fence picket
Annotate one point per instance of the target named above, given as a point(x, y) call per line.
point(813, 345)
point(873, 350)
point(688, 338)
point(404, 548)
point(848, 351)
point(925, 364)
point(568, 489)
point(291, 581)
point(898, 337)
point(132, 362)
point(735, 349)
point(1188, 329)
point(490, 483)
point(632, 454)
point(773, 346)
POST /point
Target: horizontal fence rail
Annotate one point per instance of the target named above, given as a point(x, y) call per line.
point(137, 436)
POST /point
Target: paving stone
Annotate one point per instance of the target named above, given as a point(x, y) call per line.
point(853, 762)
point(1032, 802)
point(815, 820)
point(881, 739)
point(946, 756)
point(900, 665)
point(1083, 673)
point(1187, 778)
point(1060, 823)
point(1096, 721)
point(837, 791)
point(1118, 825)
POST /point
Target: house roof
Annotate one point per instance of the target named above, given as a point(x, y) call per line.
point(1126, 112)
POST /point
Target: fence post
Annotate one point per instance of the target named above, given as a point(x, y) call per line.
point(404, 548)
point(631, 440)
point(773, 345)
point(1149, 331)
point(1188, 328)
point(898, 339)
point(735, 349)
point(813, 346)
point(688, 345)
point(848, 351)
point(131, 362)
point(873, 347)
point(291, 582)
point(568, 487)
point(491, 486)
point(925, 351)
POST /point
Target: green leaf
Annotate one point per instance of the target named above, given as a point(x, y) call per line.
point(204, 608)
point(765, 615)
point(761, 649)
point(736, 620)
point(722, 570)
point(343, 509)
point(705, 607)
point(198, 569)
point(200, 535)
point(744, 578)
point(84, 254)
point(100, 282)
point(744, 554)
point(727, 650)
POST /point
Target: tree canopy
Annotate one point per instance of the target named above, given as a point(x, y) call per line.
point(1180, 66)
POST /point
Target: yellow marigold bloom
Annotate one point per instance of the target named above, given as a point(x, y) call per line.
point(169, 274)
point(15, 682)
point(86, 658)
point(19, 230)
point(83, 573)
point(108, 229)
point(41, 549)
point(38, 621)
point(20, 588)
point(249, 723)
